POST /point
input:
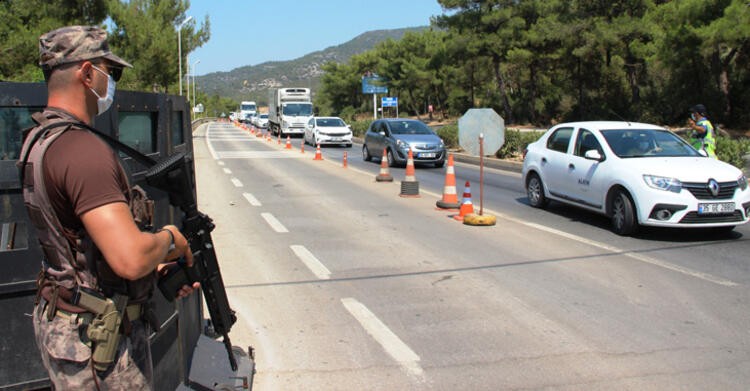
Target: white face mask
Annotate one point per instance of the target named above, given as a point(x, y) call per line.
point(104, 103)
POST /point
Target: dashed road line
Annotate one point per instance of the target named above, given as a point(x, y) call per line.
point(311, 262)
point(274, 223)
point(237, 182)
point(251, 199)
point(390, 342)
point(227, 171)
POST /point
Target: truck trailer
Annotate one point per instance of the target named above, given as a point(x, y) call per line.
point(289, 110)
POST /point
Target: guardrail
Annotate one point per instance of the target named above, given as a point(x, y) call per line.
point(201, 121)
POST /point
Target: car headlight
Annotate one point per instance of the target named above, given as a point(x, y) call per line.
point(284, 124)
point(402, 144)
point(663, 183)
point(742, 182)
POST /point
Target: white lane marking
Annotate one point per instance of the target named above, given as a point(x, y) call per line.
point(251, 199)
point(390, 342)
point(209, 144)
point(640, 257)
point(237, 182)
point(634, 255)
point(220, 162)
point(311, 262)
point(274, 223)
point(258, 155)
point(227, 171)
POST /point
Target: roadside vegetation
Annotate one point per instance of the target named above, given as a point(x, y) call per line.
point(545, 62)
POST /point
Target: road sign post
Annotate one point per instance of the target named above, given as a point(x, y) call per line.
point(481, 130)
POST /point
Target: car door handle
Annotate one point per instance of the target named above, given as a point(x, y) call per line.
point(544, 160)
point(572, 166)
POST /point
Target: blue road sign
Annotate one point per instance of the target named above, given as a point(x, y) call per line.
point(373, 85)
point(389, 101)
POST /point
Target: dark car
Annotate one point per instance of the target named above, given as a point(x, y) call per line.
point(396, 136)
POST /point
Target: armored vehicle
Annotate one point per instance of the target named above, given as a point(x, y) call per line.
point(185, 354)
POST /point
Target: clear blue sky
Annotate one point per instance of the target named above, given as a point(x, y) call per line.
point(250, 32)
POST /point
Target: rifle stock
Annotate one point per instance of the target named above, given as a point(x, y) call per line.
point(173, 175)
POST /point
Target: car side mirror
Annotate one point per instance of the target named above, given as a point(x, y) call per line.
point(593, 154)
point(382, 133)
point(703, 152)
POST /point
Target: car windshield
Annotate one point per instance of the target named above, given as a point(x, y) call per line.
point(329, 122)
point(302, 109)
point(633, 143)
point(264, 116)
point(247, 107)
point(409, 127)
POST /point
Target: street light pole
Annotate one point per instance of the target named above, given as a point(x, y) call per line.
point(187, 76)
point(196, 62)
point(179, 47)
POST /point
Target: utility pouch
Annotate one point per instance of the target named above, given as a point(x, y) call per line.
point(104, 329)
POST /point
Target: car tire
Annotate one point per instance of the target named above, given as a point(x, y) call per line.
point(389, 157)
point(348, 145)
point(366, 153)
point(624, 220)
point(535, 192)
point(440, 164)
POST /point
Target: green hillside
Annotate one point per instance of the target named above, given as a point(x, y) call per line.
point(252, 82)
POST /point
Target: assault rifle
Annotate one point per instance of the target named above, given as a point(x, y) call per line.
point(173, 175)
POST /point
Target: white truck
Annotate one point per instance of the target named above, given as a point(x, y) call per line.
point(289, 110)
point(248, 109)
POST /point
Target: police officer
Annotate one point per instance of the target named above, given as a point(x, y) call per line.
point(702, 136)
point(89, 222)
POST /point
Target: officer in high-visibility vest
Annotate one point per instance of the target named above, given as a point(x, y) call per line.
point(703, 136)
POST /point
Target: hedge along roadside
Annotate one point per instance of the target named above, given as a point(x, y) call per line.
point(732, 151)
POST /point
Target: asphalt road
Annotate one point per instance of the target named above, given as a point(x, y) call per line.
point(341, 284)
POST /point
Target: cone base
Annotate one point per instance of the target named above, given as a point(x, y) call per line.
point(479, 220)
point(384, 178)
point(447, 205)
point(409, 189)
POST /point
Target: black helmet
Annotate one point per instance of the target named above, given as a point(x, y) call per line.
point(700, 109)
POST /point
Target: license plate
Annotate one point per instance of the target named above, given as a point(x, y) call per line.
point(715, 208)
point(427, 154)
point(335, 138)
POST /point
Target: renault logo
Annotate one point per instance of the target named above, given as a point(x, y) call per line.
point(713, 187)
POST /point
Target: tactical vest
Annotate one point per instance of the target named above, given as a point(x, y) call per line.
point(71, 259)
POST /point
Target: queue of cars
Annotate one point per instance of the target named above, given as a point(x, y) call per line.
point(635, 173)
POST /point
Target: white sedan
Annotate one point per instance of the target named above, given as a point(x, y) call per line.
point(261, 120)
point(637, 174)
point(328, 130)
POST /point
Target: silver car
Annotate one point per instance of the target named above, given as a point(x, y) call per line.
point(396, 136)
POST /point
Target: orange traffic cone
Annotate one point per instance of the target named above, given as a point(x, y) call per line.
point(410, 185)
point(466, 207)
point(278, 139)
point(345, 160)
point(450, 199)
point(318, 155)
point(288, 142)
point(302, 146)
point(384, 175)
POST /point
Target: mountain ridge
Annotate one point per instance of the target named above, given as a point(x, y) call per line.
point(252, 82)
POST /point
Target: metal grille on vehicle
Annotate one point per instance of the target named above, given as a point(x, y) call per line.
point(701, 191)
point(695, 218)
point(426, 147)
